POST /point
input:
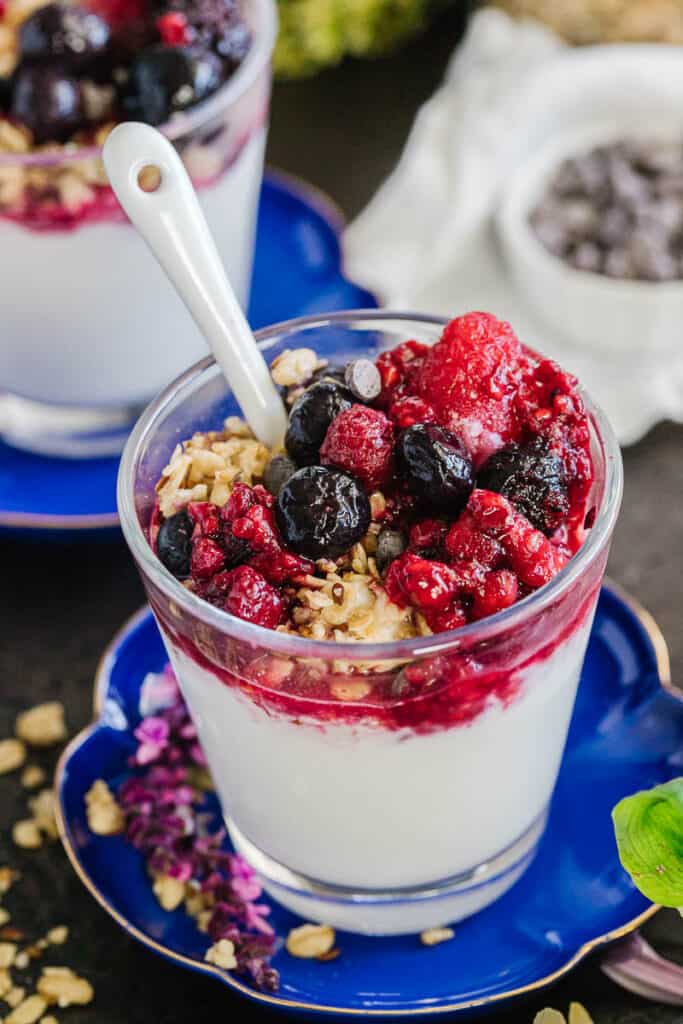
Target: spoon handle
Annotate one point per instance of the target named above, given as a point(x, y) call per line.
point(171, 221)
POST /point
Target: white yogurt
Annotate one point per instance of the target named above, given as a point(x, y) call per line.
point(365, 807)
point(88, 317)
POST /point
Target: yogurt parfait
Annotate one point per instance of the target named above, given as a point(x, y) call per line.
point(91, 328)
point(379, 627)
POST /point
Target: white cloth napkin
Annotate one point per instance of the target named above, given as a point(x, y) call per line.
point(425, 242)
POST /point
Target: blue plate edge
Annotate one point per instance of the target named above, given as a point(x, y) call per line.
point(101, 681)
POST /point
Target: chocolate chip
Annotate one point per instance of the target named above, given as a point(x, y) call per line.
point(362, 379)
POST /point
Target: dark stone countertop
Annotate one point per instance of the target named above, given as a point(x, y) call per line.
point(61, 604)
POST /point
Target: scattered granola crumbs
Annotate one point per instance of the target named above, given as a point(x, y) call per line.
point(434, 936)
point(169, 891)
point(5, 982)
point(104, 815)
point(26, 834)
point(309, 941)
point(32, 776)
point(21, 960)
point(42, 725)
point(222, 954)
point(332, 954)
point(58, 935)
point(42, 808)
point(49, 1019)
point(549, 1016)
point(28, 1011)
point(8, 876)
point(8, 951)
point(294, 367)
point(12, 755)
point(578, 1014)
point(4, 916)
point(64, 987)
point(15, 996)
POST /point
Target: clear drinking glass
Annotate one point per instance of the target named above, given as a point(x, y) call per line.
point(376, 819)
point(91, 327)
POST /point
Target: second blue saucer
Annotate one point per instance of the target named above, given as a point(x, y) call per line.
point(297, 270)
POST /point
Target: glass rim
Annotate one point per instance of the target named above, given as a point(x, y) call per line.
point(185, 122)
point(289, 644)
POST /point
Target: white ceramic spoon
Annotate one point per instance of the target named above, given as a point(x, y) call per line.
point(171, 222)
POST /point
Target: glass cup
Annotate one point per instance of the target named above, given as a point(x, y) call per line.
point(378, 818)
point(91, 327)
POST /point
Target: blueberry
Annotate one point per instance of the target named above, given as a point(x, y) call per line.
point(174, 545)
point(322, 512)
point(436, 467)
point(390, 544)
point(48, 102)
point(533, 479)
point(64, 32)
point(362, 379)
point(310, 417)
point(277, 473)
point(164, 80)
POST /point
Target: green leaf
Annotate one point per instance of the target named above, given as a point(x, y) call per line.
point(649, 832)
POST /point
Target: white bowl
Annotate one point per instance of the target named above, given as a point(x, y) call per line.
point(583, 99)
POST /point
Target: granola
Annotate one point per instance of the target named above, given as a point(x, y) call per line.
point(42, 725)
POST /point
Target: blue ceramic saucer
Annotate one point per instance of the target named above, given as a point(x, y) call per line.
point(297, 271)
point(626, 734)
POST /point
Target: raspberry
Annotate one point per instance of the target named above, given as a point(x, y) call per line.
point(427, 535)
point(464, 542)
point(206, 519)
point(424, 584)
point(490, 512)
point(360, 441)
point(174, 29)
point(398, 370)
point(282, 567)
point(249, 596)
point(406, 412)
point(531, 554)
point(470, 378)
point(208, 558)
point(499, 590)
point(258, 529)
point(452, 617)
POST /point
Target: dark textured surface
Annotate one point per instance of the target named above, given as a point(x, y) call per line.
point(61, 605)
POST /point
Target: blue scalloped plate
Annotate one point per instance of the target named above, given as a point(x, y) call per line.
point(297, 271)
point(626, 734)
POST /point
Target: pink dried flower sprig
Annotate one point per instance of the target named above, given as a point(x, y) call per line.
point(167, 820)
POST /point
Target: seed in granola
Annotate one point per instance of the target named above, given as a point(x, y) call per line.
point(277, 473)
point(222, 954)
point(362, 378)
point(32, 776)
point(12, 755)
point(390, 545)
point(105, 817)
point(42, 725)
point(338, 593)
point(26, 834)
point(62, 986)
point(309, 941)
point(294, 367)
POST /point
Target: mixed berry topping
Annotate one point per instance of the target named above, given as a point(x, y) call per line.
point(74, 68)
point(415, 494)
